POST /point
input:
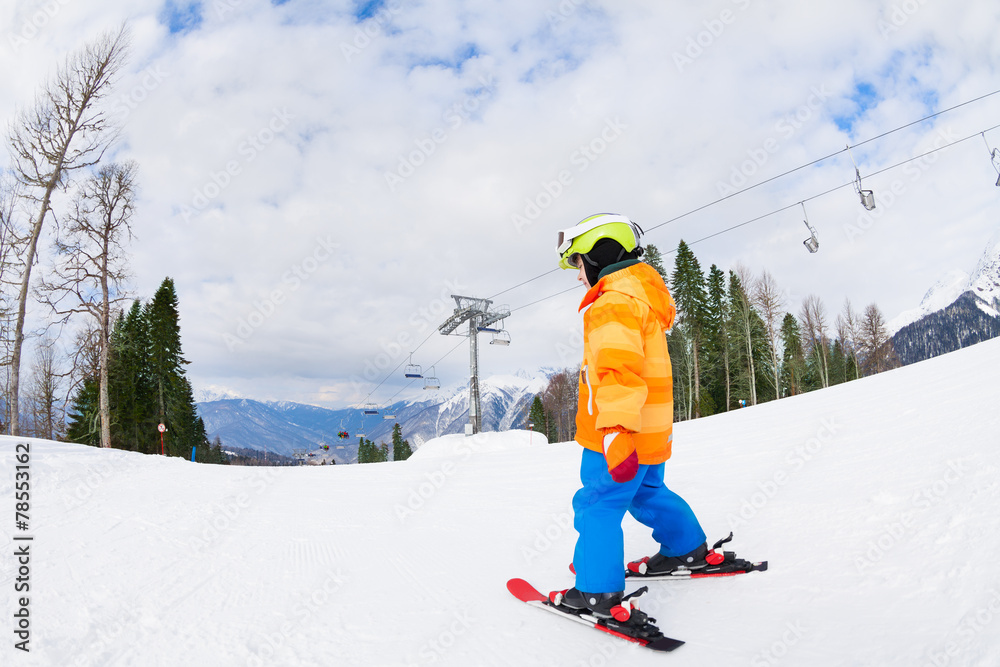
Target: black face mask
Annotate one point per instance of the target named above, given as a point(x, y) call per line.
point(604, 253)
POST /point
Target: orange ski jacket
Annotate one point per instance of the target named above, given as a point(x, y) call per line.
point(626, 381)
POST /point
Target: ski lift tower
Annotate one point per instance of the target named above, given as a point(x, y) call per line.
point(479, 314)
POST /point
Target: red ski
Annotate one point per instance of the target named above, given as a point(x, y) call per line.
point(644, 633)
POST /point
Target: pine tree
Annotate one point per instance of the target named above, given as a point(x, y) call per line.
point(367, 451)
point(793, 361)
point(130, 390)
point(742, 325)
point(400, 448)
point(84, 417)
point(536, 416)
point(717, 339)
point(654, 258)
point(165, 360)
point(688, 283)
point(172, 392)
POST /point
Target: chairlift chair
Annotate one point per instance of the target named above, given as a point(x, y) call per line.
point(867, 196)
point(994, 158)
point(811, 243)
point(370, 409)
point(432, 382)
point(388, 417)
point(412, 370)
point(501, 337)
point(867, 199)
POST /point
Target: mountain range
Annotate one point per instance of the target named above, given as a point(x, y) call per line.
point(294, 428)
point(959, 310)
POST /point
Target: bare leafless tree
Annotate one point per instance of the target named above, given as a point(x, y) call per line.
point(814, 329)
point(560, 401)
point(770, 303)
point(875, 343)
point(848, 330)
point(46, 381)
point(65, 130)
point(11, 242)
point(93, 268)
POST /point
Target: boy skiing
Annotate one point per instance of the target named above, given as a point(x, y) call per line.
point(624, 417)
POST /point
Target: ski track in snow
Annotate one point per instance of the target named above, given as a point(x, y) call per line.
point(875, 503)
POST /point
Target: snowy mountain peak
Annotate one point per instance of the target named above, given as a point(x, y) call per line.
point(985, 281)
point(943, 293)
point(984, 284)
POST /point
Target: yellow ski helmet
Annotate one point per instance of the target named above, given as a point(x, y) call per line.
point(580, 240)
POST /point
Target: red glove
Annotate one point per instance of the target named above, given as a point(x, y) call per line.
point(619, 451)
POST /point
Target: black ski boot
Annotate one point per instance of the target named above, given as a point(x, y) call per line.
point(615, 611)
point(658, 564)
point(600, 605)
point(702, 562)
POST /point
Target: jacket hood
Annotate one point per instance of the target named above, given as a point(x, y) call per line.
point(639, 281)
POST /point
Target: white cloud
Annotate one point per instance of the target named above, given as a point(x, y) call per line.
point(287, 119)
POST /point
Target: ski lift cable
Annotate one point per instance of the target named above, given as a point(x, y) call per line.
point(789, 206)
point(839, 187)
point(398, 366)
point(733, 194)
point(826, 157)
point(529, 280)
point(773, 178)
point(407, 385)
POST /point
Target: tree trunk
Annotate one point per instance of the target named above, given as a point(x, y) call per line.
point(22, 307)
point(105, 407)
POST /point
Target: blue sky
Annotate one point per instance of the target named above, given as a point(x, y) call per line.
point(319, 177)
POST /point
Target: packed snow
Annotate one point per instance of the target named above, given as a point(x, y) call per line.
point(874, 501)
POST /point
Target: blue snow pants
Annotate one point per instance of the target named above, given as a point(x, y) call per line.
point(599, 508)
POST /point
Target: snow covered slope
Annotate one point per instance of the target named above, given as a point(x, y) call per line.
point(874, 501)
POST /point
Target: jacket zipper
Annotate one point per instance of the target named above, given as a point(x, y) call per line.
point(590, 393)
